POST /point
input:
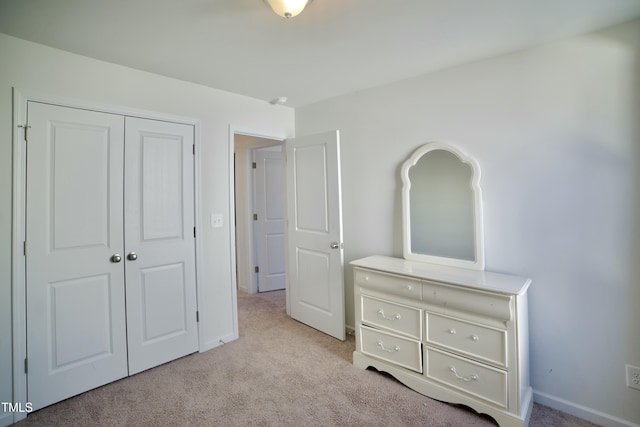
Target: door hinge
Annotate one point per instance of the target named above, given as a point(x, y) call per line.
point(24, 248)
point(26, 131)
point(194, 232)
point(197, 316)
point(254, 165)
point(26, 365)
point(257, 269)
point(194, 149)
point(255, 217)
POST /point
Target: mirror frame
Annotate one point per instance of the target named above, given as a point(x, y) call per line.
point(478, 263)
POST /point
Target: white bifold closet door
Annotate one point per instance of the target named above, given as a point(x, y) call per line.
point(110, 258)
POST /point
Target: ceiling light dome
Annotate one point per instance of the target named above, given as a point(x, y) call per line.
point(287, 8)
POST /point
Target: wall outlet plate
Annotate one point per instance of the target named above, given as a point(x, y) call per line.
point(633, 377)
point(216, 221)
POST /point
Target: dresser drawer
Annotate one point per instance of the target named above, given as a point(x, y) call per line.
point(475, 340)
point(388, 283)
point(392, 348)
point(398, 318)
point(482, 381)
point(487, 304)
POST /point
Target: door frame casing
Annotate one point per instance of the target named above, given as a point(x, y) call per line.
point(18, 261)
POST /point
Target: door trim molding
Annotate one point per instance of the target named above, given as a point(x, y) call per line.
point(18, 302)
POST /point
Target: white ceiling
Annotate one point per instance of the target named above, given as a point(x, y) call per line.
point(334, 47)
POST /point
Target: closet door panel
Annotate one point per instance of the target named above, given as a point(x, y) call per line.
point(76, 336)
point(159, 242)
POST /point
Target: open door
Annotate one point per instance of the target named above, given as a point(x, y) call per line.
point(314, 232)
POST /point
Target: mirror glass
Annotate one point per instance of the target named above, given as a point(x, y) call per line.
point(442, 207)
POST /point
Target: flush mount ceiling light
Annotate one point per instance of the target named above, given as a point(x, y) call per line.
point(287, 8)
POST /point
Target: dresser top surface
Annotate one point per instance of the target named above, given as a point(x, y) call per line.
point(477, 279)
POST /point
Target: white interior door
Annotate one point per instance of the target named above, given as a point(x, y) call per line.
point(76, 332)
point(269, 201)
point(159, 242)
point(109, 219)
point(314, 232)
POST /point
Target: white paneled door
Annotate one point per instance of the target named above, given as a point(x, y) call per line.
point(269, 201)
point(314, 232)
point(81, 232)
point(76, 325)
point(159, 242)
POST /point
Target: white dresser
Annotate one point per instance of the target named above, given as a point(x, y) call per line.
point(456, 335)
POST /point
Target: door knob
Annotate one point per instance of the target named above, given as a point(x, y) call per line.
point(116, 258)
point(335, 245)
point(132, 256)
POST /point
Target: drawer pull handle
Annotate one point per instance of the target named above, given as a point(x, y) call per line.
point(472, 377)
point(381, 313)
point(452, 331)
point(388, 350)
point(474, 337)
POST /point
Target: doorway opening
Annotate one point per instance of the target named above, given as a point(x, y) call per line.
point(314, 250)
point(250, 225)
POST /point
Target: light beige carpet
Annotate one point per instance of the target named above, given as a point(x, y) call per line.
point(278, 373)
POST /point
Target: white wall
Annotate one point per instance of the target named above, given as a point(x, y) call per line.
point(44, 70)
point(555, 131)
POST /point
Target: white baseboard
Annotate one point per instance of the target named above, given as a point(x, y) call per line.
point(217, 342)
point(580, 411)
point(350, 330)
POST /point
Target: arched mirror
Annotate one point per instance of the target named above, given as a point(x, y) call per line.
point(442, 207)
